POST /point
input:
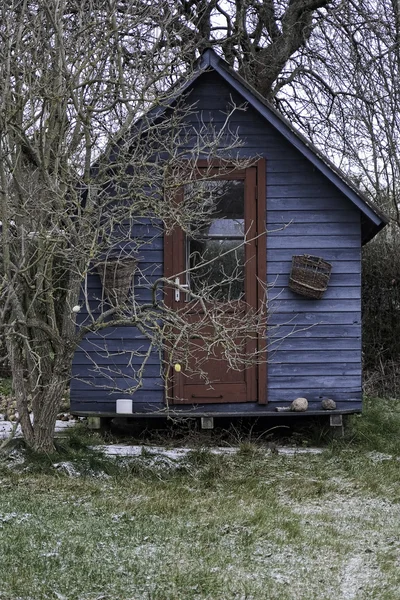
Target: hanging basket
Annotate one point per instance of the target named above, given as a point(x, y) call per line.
point(309, 275)
point(116, 276)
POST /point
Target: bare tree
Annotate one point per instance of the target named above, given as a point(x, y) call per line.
point(345, 94)
point(80, 170)
point(257, 36)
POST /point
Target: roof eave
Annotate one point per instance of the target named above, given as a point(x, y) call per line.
point(377, 218)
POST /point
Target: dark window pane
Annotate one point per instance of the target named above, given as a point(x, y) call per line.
point(215, 253)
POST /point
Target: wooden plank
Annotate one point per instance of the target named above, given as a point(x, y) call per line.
point(141, 409)
point(308, 305)
point(82, 368)
point(288, 189)
point(280, 267)
point(117, 384)
point(93, 398)
point(332, 293)
point(310, 318)
point(330, 254)
point(300, 202)
point(340, 369)
point(279, 217)
point(299, 175)
point(141, 281)
point(281, 280)
point(316, 382)
point(121, 359)
point(287, 165)
point(120, 332)
point(278, 396)
point(315, 356)
point(315, 242)
point(317, 331)
point(310, 229)
point(92, 394)
point(317, 344)
point(115, 344)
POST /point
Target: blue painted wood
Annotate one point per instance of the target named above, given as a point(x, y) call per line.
point(280, 280)
point(326, 357)
point(285, 165)
point(98, 396)
point(316, 331)
point(293, 229)
point(121, 332)
point(288, 395)
point(311, 318)
point(317, 344)
point(83, 369)
point(307, 305)
point(280, 217)
point(313, 242)
point(118, 384)
point(302, 190)
point(282, 267)
point(306, 203)
point(323, 382)
point(128, 344)
point(289, 369)
point(120, 359)
point(332, 293)
point(323, 360)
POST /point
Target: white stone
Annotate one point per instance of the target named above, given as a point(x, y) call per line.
point(328, 404)
point(299, 405)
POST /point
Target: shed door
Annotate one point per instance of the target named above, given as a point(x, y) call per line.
point(225, 262)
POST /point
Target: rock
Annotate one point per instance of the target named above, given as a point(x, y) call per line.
point(299, 405)
point(65, 418)
point(328, 404)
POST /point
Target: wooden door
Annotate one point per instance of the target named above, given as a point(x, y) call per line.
point(225, 257)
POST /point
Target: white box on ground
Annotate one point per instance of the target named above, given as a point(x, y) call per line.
point(124, 406)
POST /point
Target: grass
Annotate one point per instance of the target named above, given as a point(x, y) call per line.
point(254, 525)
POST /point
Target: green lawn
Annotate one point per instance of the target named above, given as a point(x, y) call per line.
point(254, 525)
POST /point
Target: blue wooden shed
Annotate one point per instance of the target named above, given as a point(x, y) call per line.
point(318, 350)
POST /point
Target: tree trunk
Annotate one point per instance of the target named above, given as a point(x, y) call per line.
point(38, 431)
point(20, 389)
point(46, 409)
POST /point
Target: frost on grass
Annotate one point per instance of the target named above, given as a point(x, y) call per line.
point(15, 517)
point(353, 527)
point(234, 527)
point(68, 468)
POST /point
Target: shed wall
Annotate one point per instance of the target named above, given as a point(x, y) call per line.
point(314, 345)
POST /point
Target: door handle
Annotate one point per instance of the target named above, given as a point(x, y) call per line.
point(178, 290)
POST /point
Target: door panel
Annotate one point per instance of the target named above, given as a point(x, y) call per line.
point(219, 261)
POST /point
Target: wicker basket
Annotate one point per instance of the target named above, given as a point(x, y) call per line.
point(116, 275)
point(309, 275)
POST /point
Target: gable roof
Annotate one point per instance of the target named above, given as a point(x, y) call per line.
point(372, 218)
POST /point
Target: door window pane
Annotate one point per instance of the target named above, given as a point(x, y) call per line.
point(215, 251)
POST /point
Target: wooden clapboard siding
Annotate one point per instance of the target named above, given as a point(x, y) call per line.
point(305, 215)
point(314, 345)
point(105, 365)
